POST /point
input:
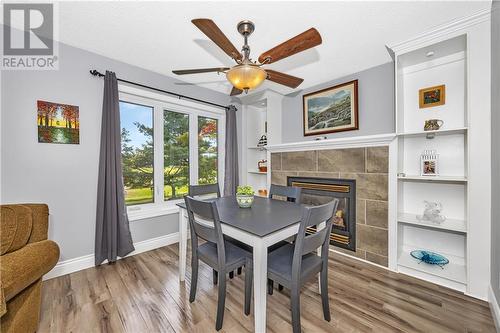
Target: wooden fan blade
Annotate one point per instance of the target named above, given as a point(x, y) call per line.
point(299, 43)
point(200, 70)
point(212, 31)
point(284, 79)
point(235, 91)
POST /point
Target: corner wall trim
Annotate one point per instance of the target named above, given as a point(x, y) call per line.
point(495, 308)
point(87, 261)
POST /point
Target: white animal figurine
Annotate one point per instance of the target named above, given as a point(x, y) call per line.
point(432, 212)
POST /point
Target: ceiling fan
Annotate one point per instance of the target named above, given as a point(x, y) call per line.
point(248, 74)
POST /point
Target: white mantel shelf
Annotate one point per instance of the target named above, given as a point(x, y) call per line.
point(340, 143)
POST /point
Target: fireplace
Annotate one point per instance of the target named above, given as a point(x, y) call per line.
point(317, 191)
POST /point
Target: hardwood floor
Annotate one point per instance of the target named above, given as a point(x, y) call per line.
point(142, 293)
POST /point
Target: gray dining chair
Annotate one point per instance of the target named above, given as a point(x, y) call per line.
point(206, 192)
point(219, 254)
point(291, 194)
point(295, 264)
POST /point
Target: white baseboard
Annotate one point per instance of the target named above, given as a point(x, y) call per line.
point(495, 308)
point(83, 262)
point(359, 259)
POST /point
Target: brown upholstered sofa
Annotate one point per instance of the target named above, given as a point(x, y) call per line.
point(25, 256)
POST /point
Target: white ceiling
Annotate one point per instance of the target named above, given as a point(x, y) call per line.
point(160, 37)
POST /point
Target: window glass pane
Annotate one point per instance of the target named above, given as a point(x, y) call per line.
point(137, 152)
point(176, 154)
point(207, 150)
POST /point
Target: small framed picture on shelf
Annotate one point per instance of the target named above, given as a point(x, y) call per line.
point(429, 163)
point(432, 96)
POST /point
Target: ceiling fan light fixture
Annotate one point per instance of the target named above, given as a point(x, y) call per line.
point(246, 76)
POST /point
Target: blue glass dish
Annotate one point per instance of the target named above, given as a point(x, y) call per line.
point(430, 257)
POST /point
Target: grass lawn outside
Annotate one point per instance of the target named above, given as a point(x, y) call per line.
point(138, 196)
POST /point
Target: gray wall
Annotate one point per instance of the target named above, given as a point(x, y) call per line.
point(65, 176)
point(375, 98)
point(495, 149)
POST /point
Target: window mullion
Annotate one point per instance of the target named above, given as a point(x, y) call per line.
point(193, 148)
point(158, 154)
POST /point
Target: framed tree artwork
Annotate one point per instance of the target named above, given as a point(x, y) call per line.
point(58, 123)
point(331, 110)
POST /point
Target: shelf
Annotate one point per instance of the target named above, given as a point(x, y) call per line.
point(454, 225)
point(461, 130)
point(257, 172)
point(452, 271)
point(437, 179)
point(257, 148)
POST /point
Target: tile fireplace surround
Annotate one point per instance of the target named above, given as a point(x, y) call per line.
point(369, 167)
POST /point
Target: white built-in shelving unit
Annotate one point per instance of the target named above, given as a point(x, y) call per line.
point(261, 114)
point(255, 124)
point(456, 54)
point(444, 62)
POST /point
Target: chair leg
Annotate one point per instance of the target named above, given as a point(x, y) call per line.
point(231, 274)
point(221, 301)
point(270, 286)
point(239, 270)
point(248, 286)
point(280, 287)
point(214, 276)
point(324, 294)
point(295, 300)
point(194, 279)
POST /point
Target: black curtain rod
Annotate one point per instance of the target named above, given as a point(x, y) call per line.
point(98, 74)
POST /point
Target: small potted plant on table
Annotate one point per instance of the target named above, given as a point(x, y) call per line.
point(244, 196)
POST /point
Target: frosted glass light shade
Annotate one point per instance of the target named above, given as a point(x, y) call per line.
point(246, 76)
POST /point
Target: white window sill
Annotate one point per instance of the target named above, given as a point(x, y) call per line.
point(149, 212)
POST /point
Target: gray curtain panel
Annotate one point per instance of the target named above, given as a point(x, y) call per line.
point(112, 232)
point(231, 180)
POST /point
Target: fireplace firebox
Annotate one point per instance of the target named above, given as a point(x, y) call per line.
point(317, 191)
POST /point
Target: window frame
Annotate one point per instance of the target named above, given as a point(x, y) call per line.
point(160, 103)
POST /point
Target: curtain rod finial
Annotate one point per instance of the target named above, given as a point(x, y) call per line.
point(96, 73)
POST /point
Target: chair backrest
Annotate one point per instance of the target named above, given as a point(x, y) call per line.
point(204, 190)
point(291, 193)
point(210, 229)
point(304, 244)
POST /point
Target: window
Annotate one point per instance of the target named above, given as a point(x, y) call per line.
point(137, 152)
point(175, 154)
point(207, 150)
point(156, 175)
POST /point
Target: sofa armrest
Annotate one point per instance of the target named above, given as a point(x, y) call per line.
point(3, 304)
point(40, 229)
point(21, 268)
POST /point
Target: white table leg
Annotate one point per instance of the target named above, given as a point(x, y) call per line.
point(320, 226)
point(182, 243)
point(260, 285)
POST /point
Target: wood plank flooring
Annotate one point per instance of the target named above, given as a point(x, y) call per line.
point(142, 293)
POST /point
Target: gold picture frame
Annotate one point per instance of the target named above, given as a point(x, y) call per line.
point(432, 96)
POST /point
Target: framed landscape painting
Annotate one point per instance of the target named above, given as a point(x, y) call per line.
point(331, 110)
point(58, 123)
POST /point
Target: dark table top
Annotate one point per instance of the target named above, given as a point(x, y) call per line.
point(263, 218)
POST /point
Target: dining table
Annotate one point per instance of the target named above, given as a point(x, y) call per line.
point(266, 222)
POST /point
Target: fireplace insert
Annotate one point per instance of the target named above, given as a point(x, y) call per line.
point(317, 191)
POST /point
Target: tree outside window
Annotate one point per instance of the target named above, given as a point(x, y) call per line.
point(176, 154)
point(137, 152)
point(207, 150)
point(138, 149)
